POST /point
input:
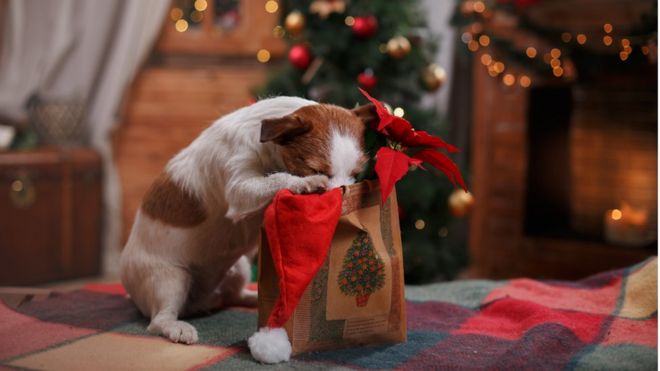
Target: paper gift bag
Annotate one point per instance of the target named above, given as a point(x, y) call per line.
point(357, 296)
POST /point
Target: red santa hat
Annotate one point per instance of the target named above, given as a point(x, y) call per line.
point(299, 229)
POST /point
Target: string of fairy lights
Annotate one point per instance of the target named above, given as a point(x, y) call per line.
point(182, 14)
point(433, 76)
point(478, 41)
point(196, 13)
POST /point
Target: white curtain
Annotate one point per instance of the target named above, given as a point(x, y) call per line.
point(84, 51)
point(438, 16)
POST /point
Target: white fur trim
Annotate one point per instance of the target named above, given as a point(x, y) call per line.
point(270, 345)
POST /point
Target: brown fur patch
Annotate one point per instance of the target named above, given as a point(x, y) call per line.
point(168, 202)
point(307, 154)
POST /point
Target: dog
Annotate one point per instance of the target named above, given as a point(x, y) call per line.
point(198, 225)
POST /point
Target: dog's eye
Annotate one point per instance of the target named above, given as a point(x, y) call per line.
point(317, 171)
point(315, 168)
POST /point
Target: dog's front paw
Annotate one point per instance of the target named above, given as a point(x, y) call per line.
point(309, 184)
point(177, 331)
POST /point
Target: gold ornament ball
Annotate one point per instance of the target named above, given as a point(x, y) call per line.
point(398, 47)
point(294, 23)
point(460, 203)
point(433, 77)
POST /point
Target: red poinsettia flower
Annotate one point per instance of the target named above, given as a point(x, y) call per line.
point(401, 131)
point(392, 163)
point(441, 162)
point(383, 114)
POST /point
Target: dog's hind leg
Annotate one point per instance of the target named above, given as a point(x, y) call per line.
point(231, 291)
point(233, 288)
point(168, 299)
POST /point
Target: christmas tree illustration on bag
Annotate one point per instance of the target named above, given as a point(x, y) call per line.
point(363, 270)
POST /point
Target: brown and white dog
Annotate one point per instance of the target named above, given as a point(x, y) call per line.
point(187, 251)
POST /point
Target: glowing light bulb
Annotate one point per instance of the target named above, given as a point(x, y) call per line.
point(176, 14)
point(196, 16)
point(17, 185)
point(263, 55)
point(181, 25)
point(201, 5)
point(486, 59)
point(525, 81)
point(509, 79)
point(271, 6)
point(531, 52)
point(479, 6)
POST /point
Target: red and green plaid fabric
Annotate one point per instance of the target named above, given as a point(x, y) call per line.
point(608, 321)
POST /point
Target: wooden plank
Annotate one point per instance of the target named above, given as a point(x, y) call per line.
point(167, 109)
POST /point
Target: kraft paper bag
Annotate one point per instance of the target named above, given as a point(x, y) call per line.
point(357, 296)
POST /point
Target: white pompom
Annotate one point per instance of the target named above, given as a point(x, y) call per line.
point(270, 345)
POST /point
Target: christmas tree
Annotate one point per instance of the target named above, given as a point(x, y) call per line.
point(385, 48)
point(363, 271)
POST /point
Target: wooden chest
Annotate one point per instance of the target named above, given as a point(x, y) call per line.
point(50, 215)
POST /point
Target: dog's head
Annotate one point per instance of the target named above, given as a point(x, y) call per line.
point(321, 139)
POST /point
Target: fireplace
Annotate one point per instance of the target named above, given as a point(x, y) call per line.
point(551, 163)
point(548, 197)
point(613, 141)
point(592, 149)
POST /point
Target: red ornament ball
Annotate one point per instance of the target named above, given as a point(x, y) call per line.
point(367, 80)
point(300, 56)
point(365, 26)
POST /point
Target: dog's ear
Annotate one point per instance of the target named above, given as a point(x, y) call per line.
point(282, 130)
point(367, 113)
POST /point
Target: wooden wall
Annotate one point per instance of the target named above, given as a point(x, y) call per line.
point(167, 108)
point(499, 165)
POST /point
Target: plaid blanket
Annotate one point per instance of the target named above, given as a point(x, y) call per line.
point(608, 321)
